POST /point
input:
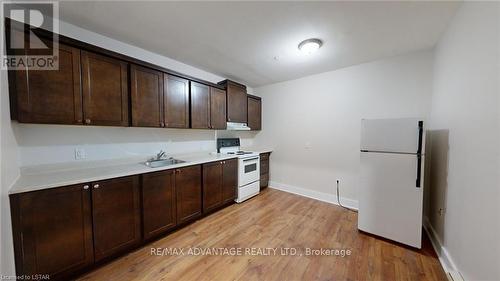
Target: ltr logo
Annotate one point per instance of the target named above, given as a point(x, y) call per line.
point(31, 33)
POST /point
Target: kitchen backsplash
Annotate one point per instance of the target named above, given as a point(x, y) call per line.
point(48, 144)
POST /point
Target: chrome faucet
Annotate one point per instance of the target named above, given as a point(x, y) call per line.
point(158, 156)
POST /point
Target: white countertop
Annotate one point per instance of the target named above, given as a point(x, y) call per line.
point(56, 175)
point(257, 149)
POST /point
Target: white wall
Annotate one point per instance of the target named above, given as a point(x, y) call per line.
point(39, 144)
point(313, 123)
point(465, 106)
point(46, 144)
point(9, 172)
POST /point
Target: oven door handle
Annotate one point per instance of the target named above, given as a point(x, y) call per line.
point(250, 159)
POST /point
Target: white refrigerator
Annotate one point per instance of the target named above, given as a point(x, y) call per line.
point(392, 176)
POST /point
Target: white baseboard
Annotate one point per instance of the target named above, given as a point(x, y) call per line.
point(321, 196)
point(444, 257)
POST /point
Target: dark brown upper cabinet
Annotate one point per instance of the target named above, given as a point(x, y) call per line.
point(116, 216)
point(158, 203)
point(146, 92)
point(254, 112)
point(200, 106)
point(188, 193)
point(236, 101)
point(52, 231)
point(217, 109)
point(92, 87)
point(105, 90)
point(52, 97)
point(176, 101)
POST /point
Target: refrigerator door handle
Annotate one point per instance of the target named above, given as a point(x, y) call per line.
point(419, 153)
point(419, 170)
point(420, 136)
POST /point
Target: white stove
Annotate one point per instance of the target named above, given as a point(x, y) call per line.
point(248, 168)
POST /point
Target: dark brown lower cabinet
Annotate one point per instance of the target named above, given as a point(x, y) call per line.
point(220, 180)
point(188, 191)
point(158, 203)
point(52, 231)
point(116, 216)
point(212, 185)
point(229, 180)
point(66, 230)
point(264, 170)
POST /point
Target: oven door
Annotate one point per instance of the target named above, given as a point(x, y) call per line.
point(249, 170)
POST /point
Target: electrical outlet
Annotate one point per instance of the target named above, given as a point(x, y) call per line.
point(80, 153)
point(441, 211)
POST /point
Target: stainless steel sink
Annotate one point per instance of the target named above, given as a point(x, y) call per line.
point(163, 162)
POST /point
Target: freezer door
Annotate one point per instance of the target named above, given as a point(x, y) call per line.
point(390, 203)
point(390, 135)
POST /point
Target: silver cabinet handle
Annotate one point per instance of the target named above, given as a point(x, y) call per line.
point(86, 187)
point(96, 186)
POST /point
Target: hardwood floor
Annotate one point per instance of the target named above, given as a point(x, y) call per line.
point(276, 219)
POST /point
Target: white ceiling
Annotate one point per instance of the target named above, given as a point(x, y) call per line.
point(256, 42)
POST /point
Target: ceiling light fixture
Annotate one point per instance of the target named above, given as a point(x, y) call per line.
point(309, 46)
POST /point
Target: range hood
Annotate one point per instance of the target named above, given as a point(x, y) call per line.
point(232, 126)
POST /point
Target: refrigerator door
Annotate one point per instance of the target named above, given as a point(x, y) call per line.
point(390, 135)
point(390, 203)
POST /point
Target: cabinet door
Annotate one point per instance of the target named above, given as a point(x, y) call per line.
point(105, 91)
point(200, 106)
point(236, 104)
point(158, 201)
point(230, 180)
point(217, 109)
point(176, 101)
point(188, 190)
point(254, 113)
point(146, 97)
point(52, 231)
point(49, 96)
point(212, 185)
point(116, 215)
